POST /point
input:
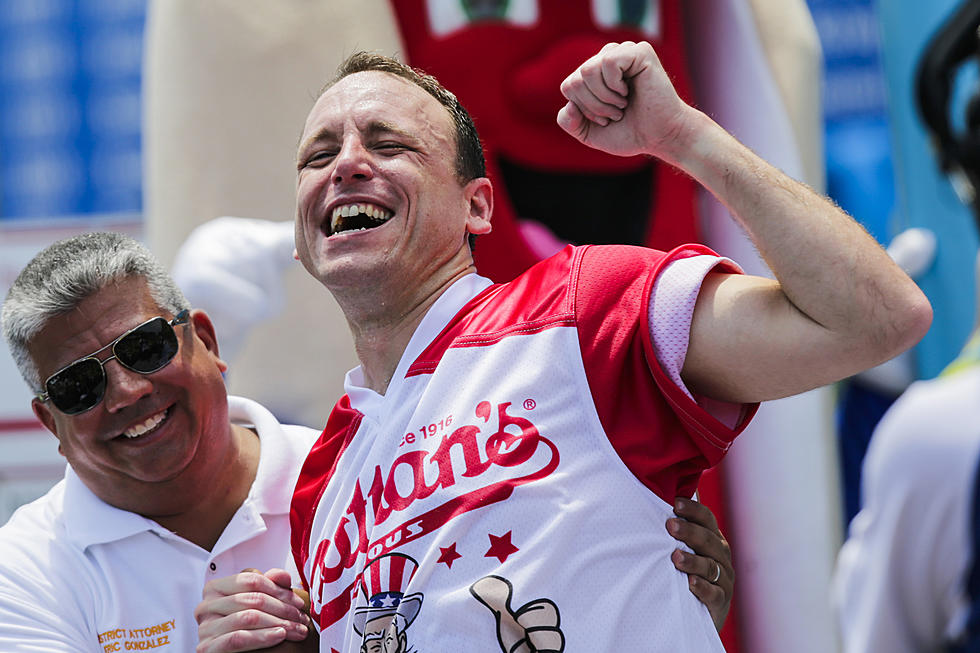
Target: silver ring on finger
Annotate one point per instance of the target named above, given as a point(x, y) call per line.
point(717, 573)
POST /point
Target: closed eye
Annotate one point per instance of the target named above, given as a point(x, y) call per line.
point(317, 159)
point(391, 146)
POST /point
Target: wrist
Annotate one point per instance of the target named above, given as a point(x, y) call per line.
point(691, 143)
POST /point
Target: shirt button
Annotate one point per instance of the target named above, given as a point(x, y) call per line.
point(214, 567)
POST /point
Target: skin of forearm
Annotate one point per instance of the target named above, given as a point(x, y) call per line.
point(827, 265)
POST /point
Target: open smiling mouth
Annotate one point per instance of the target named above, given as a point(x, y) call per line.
point(150, 424)
point(610, 208)
point(357, 217)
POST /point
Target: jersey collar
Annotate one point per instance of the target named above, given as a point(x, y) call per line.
point(455, 297)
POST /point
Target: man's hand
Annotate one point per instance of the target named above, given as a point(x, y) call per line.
point(622, 102)
point(709, 569)
point(250, 611)
point(838, 304)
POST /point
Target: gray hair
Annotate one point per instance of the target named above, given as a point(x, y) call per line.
point(67, 272)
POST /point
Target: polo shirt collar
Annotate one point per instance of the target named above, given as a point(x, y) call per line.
point(272, 490)
point(90, 520)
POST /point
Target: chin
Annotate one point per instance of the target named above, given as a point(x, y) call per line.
point(353, 270)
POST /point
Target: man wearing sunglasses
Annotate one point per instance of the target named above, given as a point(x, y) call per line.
point(171, 483)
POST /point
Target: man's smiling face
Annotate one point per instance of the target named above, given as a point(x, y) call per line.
point(153, 437)
point(378, 196)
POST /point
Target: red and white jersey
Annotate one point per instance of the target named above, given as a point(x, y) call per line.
point(513, 482)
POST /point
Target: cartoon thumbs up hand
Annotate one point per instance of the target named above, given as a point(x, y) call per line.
point(534, 628)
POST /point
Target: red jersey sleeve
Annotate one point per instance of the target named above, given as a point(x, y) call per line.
point(665, 438)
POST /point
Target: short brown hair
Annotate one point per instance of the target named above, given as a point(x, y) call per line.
point(470, 162)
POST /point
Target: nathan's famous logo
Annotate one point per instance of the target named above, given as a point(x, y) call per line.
point(498, 456)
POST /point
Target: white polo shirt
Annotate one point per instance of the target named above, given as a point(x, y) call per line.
point(902, 578)
point(77, 574)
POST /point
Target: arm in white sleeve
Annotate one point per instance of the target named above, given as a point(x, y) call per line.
point(233, 268)
point(899, 584)
point(28, 624)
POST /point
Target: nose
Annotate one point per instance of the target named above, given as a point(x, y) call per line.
point(124, 387)
point(353, 161)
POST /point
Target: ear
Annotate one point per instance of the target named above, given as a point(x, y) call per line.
point(204, 330)
point(479, 195)
point(46, 417)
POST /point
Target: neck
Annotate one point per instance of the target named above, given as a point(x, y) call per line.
point(383, 324)
point(205, 520)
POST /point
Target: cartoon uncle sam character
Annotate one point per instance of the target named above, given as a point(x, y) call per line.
point(383, 621)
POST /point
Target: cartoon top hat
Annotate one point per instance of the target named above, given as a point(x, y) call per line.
point(382, 585)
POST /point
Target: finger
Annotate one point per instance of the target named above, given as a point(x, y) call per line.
point(247, 580)
point(280, 577)
point(303, 596)
point(495, 593)
point(577, 92)
point(708, 593)
point(251, 620)
point(695, 512)
point(713, 597)
point(614, 76)
point(701, 540)
point(572, 121)
point(703, 567)
point(248, 620)
point(603, 111)
point(588, 113)
point(250, 582)
point(540, 620)
point(541, 613)
point(242, 641)
point(600, 74)
point(546, 640)
point(255, 601)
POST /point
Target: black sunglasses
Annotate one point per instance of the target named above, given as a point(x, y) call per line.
point(149, 347)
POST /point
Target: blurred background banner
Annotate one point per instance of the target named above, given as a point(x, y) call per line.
point(70, 107)
point(70, 162)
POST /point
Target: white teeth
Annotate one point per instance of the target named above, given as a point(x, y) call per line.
point(374, 212)
point(148, 425)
